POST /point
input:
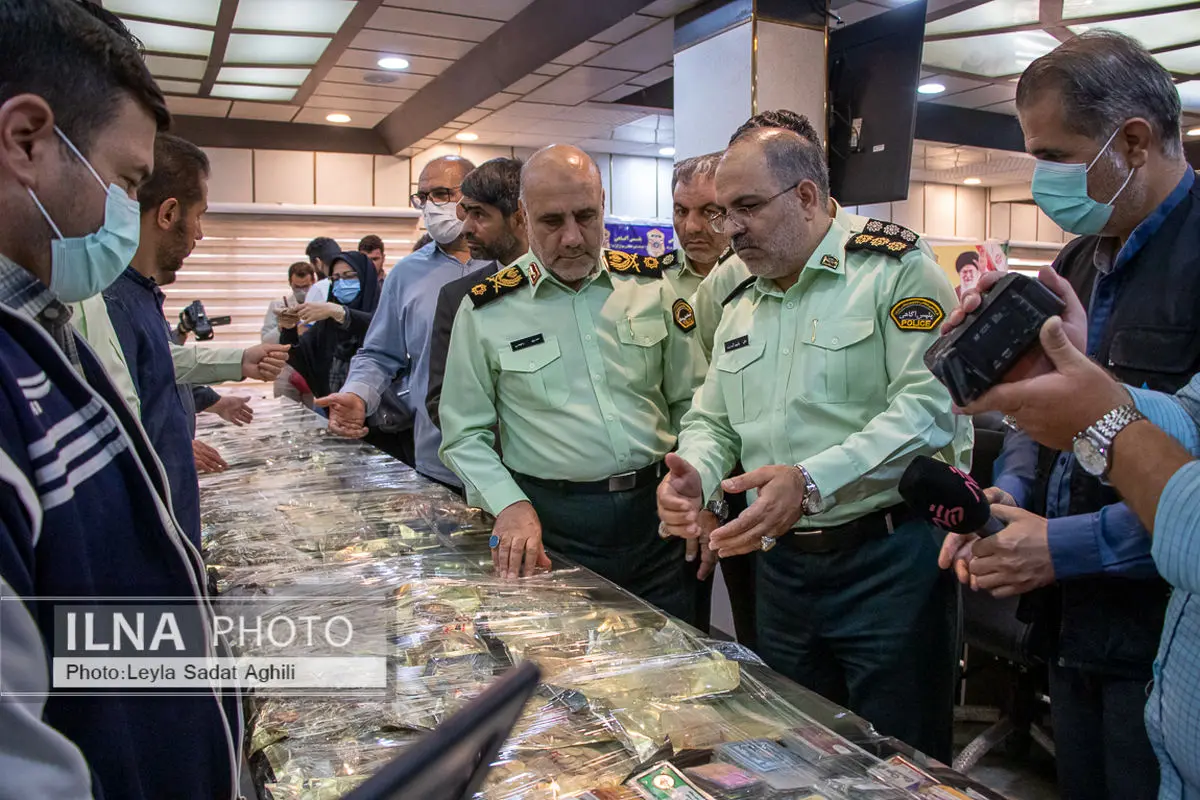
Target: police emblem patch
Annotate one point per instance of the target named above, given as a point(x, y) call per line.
point(685, 316)
point(829, 261)
point(917, 314)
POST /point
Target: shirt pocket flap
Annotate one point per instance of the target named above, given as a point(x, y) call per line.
point(740, 358)
point(642, 331)
point(530, 359)
point(836, 334)
point(1153, 349)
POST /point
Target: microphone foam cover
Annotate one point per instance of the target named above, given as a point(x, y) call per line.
point(947, 497)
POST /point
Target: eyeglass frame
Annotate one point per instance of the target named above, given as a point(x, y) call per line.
point(419, 202)
point(717, 220)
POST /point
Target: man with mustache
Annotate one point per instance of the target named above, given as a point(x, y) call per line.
point(586, 359)
point(817, 386)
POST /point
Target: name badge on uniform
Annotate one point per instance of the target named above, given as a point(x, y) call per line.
point(528, 341)
point(737, 344)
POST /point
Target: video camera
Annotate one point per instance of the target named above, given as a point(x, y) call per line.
point(192, 319)
point(994, 339)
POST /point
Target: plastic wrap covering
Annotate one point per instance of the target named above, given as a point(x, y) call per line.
point(301, 513)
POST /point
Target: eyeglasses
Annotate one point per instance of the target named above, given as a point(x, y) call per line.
point(440, 196)
point(720, 221)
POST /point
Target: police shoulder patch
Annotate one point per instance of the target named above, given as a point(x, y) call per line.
point(497, 285)
point(633, 264)
point(884, 237)
point(917, 314)
point(684, 315)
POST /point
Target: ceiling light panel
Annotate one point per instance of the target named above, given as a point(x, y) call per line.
point(179, 87)
point(996, 14)
point(300, 16)
point(264, 76)
point(1076, 9)
point(1186, 60)
point(248, 48)
point(193, 12)
point(270, 93)
point(171, 38)
point(1158, 30)
point(1189, 94)
point(993, 55)
point(167, 67)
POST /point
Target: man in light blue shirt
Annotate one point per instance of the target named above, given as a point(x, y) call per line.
point(397, 343)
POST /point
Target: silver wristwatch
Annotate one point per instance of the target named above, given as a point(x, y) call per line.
point(811, 504)
point(1093, 447)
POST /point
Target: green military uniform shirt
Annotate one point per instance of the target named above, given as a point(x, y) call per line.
point(584, 384)
point(681, 273)
point(830, 373)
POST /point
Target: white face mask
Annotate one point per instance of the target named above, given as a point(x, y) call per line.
point(442, 222)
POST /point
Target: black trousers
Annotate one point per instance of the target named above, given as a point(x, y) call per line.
point(616, 535)
point(1101, 747)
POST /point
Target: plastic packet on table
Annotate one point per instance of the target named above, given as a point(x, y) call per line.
point(728, 782)
point(779, 768)
point(863, 789)
point(818, 745)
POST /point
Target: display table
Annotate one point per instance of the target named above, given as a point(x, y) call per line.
point(301, 513)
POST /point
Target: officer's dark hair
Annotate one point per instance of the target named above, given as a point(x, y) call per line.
point(1105, 78)
point(689, 169)
point(370, 242)
point(424, 240)
point(779, 118)
point(792, 159)
point(301, 269)
point(80, 59)
point(323, 248)
point(495, 183)
point(179, 167)
point(968, 258)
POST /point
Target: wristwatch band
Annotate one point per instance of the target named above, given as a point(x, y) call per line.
point(1116, 420)
point(1093, 447)
point(811, 504)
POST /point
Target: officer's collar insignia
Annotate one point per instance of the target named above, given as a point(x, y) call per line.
point(497, 285)
point(917, 314)
point(684, 314)
point(829, 261)
point(535, 273)
point(884, 237)
point(632, 264)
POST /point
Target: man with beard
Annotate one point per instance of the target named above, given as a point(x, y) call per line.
point(494, 228)
point(817, 386)
point(585, 359)
point(172, 203)
point(397, 345)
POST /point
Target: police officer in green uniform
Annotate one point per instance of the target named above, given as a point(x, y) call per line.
point(817, 385)
point(587, 360)
point(698, 247)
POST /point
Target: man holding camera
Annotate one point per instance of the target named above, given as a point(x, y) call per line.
point(1103, 119)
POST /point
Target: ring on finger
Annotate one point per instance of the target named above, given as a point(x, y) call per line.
point(1011, 422)
point(767, 542)
point(662, 531)
point(494, 542)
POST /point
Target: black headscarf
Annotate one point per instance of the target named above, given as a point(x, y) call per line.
point(368, 280)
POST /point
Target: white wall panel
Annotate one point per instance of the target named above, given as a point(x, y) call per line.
point(283, 176)
point(345, 179)
point(712, 91)
point(604, 164)
point(970, 212)
point(392, 181)
point(882, 211)
point(1047, 230)
point(666, 167)
point(940, 206)
point(1001, 221)
point(1024, 223)
point(635, 186)
point(479, 153)
point(911, 212)
point(231, 177)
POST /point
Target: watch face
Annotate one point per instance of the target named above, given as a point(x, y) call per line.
point(1090, 457)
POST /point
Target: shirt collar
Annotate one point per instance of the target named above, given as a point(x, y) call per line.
point(1108, 258)
point(20, 291)
point(539, 275)
point(830, 255)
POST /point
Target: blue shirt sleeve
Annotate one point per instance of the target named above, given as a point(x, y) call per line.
point(1177, 414)
point(1176, 542)
point(384, 353)
point(1110, 541)
point(1016, 466)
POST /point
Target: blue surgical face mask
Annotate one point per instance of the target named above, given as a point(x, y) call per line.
point(346, 290)
point(84, 266)
point(1061, 191)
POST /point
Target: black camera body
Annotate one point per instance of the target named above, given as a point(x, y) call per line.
point(993, 338)
point(192, 319)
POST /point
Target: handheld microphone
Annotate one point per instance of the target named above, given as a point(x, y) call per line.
point(947, 497)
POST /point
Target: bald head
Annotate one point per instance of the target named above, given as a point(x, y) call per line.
point(451, 167)
point(563, 200)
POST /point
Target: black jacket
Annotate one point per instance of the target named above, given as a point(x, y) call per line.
point(314, 354)
point(449, 299)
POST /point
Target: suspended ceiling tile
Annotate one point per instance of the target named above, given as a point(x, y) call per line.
point(425, 144)
point(1189, 94)
point(983, 96)
point(1186, 60)
point(455, 125)
point(198, 106)
point(635, 133)
point(857, 12)
point(253, 48)
point(1159, 30)
point(579, 84)
point(168, 67)
point(609, 115)
point(298, 16)
point(442, 134)
point(267, 111)
point(396, 80)
point(646, 51)
point(194, 12)
point(499, 100)
point(668, 8)
point(994, 55)
point(527, 110)
point(406, 44)
point(448, 26)
point(654, 76)
point(263, 76)
point(474, 115)
point(179, 87)
point(351, 104)
point(171, 38)
point(363, 92)
point(527, 84)
point(580, 54)
point(1075, 9)
point(1008, 107)
point(630, 26)
point(240, 92)
point(613, 95)
point(994, 14)
point(953, 84)
point(619, 147)
point(486, 9)
point(551, 69)
point(369, 60)
point(316, 116)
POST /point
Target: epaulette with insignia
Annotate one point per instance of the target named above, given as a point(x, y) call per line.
point(671, 259)
point(633, 264)
point(741, 287)
point(497, 285)
point(884, 237)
